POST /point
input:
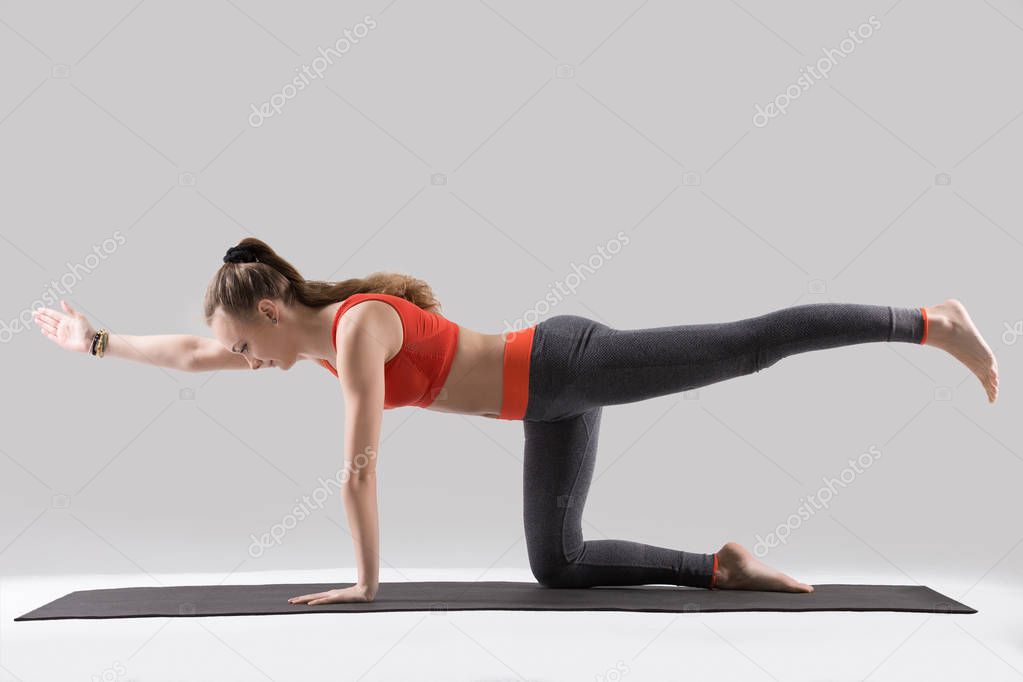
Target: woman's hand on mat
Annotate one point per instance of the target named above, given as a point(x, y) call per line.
point(355, 593)
point(70, 330)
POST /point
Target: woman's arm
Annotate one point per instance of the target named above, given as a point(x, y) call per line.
point(176, 351)
point(359, 495)
point(208, 355)
point(72, 331)
point(185, 352)
point(361, 369)
point(365, 338)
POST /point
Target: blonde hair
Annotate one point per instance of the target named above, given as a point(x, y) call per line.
point(238, 287)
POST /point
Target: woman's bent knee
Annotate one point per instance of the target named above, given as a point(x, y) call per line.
point(558, 578)
point(550, 572)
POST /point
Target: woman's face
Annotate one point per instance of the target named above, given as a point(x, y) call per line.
point(262, 343)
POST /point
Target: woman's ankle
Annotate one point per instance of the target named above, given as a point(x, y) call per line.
point(939, 326)
point(715, 573)
point(725, 566)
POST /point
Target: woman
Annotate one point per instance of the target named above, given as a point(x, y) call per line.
point(385, 340)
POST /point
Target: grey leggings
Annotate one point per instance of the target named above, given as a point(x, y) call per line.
point(578, 365)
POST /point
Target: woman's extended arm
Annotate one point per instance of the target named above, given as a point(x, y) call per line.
point(71, 331)
point(177, 351)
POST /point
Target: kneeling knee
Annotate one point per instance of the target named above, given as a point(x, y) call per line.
point(551, 574)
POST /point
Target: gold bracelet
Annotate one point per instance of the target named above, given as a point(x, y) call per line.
point(101, 346)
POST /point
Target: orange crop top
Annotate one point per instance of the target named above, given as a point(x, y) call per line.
point(416, 374)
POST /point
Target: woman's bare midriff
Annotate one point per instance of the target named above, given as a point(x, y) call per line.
point(475, 382)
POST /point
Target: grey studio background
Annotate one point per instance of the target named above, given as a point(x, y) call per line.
point(496, 150)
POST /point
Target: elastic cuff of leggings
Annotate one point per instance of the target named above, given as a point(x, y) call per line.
point(908, 325)
point(923, 312)
point(714, 575)
point(697, 570)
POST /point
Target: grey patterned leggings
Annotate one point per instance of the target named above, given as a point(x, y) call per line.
point(578, 365)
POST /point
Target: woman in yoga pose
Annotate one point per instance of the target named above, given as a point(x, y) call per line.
point(389, 346)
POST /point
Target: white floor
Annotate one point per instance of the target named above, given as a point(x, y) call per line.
point(507, 645)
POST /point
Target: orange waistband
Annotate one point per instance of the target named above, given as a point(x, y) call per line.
point(518, 347)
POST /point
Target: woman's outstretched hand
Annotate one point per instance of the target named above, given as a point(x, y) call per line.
point(355, 593)
point(70, 330)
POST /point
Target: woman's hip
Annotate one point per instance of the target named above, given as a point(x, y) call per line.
point(561, 350)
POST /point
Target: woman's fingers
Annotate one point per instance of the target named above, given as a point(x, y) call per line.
point(338, 596)
point(46, 314)
point(52, 317)
point(49, 322)
point(46, 324)
point(70, 311)
point(305, 597)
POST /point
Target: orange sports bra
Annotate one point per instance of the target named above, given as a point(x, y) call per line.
point(416, 374)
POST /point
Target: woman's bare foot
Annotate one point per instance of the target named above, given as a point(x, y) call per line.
point(738, 569)
point(950, 328)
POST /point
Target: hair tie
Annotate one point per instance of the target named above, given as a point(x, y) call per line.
point(240, 254)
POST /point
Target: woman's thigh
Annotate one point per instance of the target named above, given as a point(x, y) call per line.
point(557, 470)
point(578, 364)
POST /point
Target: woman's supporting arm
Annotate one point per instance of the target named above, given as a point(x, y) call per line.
point(360, 364)
point(359, 495)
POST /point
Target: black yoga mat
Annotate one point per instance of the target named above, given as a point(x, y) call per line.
point(252, 600)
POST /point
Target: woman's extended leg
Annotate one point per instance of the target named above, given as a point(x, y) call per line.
point(584, 364)
point(607, 366)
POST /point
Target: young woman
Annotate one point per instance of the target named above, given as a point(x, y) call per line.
point(389, 346)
